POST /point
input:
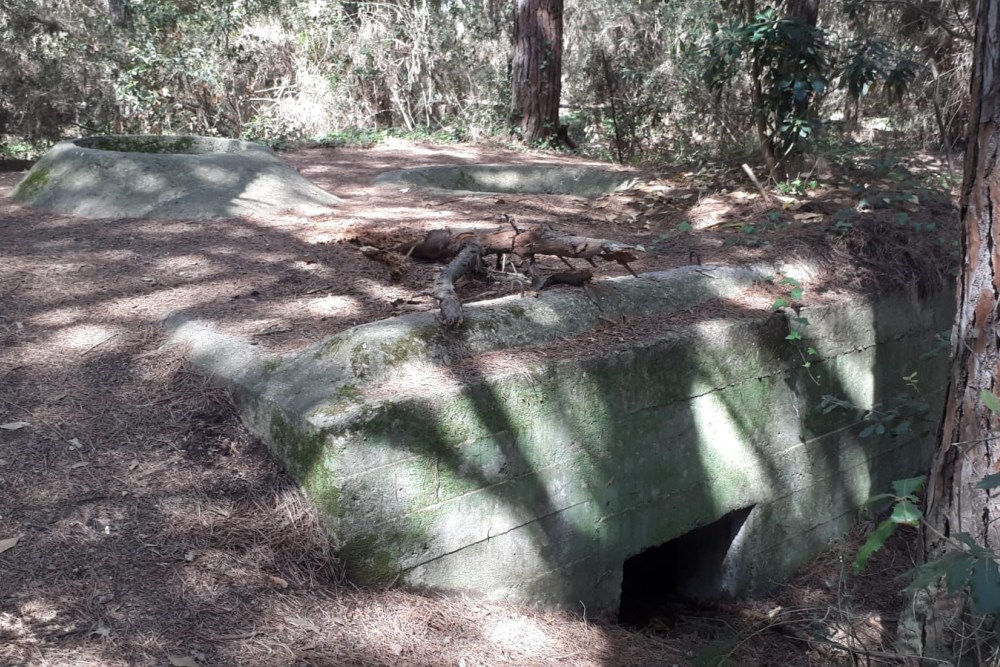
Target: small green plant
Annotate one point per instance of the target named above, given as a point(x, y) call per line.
point(896, 417)
point(843, 220)
point(905, 512)
point(797, 186)
point(967, 566)
point(682, 228)
point(798, 324)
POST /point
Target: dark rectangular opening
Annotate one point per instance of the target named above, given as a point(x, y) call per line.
point(690, 569)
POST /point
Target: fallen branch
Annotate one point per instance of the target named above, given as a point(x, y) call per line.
point(442, 245)
point(753, 177)
point(464, 252)
point(467, 261)
point(574, 278)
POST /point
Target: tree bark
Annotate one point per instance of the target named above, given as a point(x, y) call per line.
point(537, 67)
point(968, 449)
point(807, 10)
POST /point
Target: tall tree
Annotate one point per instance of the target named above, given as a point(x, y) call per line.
point(537, 70)
point(969, 449)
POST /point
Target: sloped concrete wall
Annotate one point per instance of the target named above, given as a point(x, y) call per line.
point(172, 177)
point(536, 478)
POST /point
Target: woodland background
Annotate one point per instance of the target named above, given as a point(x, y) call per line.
point(640, 79)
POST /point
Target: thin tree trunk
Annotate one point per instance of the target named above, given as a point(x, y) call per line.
point(968, 450)
point(757, 101)
point(537, 68)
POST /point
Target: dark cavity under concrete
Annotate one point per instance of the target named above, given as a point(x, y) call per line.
point(693, 568)
point(511, 179)
point(171, 177)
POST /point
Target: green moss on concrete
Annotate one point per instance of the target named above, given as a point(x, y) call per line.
point(310, 459)
point(516, 310)
point(367, 357)
point(33, 183)
point(332, 346)
point(400, 351)
point(351, 393)
point(270, 365)
point(376, 558)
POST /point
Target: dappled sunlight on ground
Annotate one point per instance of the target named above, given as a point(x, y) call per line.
point(152, 525)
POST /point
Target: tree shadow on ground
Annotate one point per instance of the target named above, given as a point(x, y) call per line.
point(165, 529)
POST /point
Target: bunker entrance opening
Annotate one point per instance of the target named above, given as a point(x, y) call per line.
point(693, 568)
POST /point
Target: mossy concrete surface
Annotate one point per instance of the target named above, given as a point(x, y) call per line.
point(171, 177)
point(537, 478)
point(511, 179)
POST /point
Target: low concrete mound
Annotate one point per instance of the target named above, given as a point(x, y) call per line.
point(516, 458)
point(172, 177)
point(510, 179)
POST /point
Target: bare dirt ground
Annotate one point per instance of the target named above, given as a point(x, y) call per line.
point(141, 525)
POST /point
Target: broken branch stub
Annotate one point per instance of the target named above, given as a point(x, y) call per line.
point(467, 261)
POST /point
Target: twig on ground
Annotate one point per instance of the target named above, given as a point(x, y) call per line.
point(35, 417)
point(760, 187)
point(98, 344)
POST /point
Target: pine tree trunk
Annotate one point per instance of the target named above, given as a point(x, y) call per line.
point(537, 70)
point(969, 449)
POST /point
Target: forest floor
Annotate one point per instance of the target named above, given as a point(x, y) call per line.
point(140, 524)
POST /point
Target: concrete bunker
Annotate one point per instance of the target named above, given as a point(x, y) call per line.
point(171, 177)
point(511, 179)
point(542, 480)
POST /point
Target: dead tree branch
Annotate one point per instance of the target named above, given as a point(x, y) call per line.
point(464, 251)
point(466, 261)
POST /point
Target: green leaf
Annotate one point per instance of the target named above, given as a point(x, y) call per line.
point(796, 293)
point(874, 542)
point(989, 482)
point(881, 496)
point(902, 427)
point(984, 586)
point(966, 539)
point(685, 227)
point(909, 486)
point(975, 549)
point(804, 321)
point(812, 351)
point(954, 565)
point(779, 304)
point(956, 570)
point(906, 513)
point(990, 400)
point(795, 335)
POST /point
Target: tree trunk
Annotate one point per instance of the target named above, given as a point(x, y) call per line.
point(968, 448)
point(807, 10)
point(537, 70)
